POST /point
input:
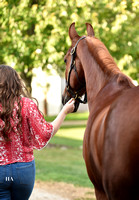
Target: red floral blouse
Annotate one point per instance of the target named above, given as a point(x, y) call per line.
point(36, 133)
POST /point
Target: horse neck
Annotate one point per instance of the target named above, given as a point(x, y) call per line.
point(95, 80)
point(95, 77)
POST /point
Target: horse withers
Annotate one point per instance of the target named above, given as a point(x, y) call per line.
point(111, 139)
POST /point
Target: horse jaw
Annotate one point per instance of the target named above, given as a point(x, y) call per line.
point(72, 31)
point(90, 30)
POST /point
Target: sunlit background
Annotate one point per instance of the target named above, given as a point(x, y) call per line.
point(34, 39)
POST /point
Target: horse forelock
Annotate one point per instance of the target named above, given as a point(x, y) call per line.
point(102, 56)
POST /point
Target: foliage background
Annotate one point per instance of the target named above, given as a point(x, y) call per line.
point(34, 33)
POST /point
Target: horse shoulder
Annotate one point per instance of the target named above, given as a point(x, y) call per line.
point(93, 146)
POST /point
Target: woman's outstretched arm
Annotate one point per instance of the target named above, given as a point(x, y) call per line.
point(67, 108)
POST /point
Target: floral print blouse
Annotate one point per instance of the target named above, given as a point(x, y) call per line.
point(36, 133)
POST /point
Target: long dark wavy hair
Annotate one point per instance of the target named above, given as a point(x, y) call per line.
point(12, 88)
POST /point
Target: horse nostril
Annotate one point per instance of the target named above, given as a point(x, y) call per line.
point(65, 60)
point(63, 100)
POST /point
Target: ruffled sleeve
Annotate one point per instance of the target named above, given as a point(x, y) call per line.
point(41, 131)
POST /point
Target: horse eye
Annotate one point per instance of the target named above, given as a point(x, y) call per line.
point(65, 60)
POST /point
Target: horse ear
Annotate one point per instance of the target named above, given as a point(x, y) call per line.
point(90, 30)
point(72, 31)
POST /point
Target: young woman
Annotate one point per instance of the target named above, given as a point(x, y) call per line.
point(22, 129)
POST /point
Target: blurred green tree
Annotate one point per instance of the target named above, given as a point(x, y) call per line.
point(34, 33)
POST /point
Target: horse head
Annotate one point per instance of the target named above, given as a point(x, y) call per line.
point(74, 73)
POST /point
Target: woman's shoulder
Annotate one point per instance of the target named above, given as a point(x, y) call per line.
point(30, 107)
point(27, 102)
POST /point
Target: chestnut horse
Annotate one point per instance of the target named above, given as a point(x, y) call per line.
point(111, 140)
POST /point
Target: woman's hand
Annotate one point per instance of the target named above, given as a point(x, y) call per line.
point(69, 106)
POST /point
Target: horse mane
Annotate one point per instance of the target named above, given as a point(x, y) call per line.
point(106, 61)
point(102, 56)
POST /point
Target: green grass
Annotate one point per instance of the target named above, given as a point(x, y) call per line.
point(71, 133)
point(71, 116)
point(56, 164)
point(62, 160)
point(77, 116)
